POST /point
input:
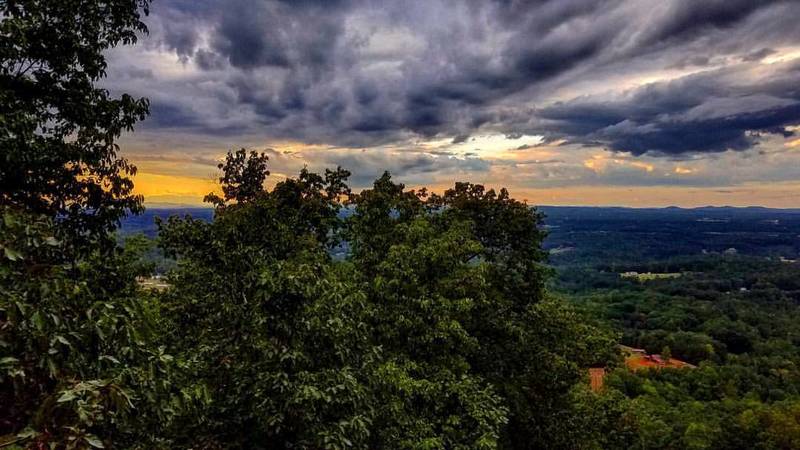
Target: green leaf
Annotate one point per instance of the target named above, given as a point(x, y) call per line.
point(67, 396)
point(9, 219)
point(51, 365)
point(109, 358)
point(12, 254)
point(27, 433)
point(37, 320)
point(94, 441)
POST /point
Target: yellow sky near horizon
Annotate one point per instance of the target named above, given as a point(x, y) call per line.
point(543, 174)
point(556, 173)
point(173, 189)
point(185, 190)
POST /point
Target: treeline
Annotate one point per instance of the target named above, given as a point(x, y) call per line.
point(619, 237)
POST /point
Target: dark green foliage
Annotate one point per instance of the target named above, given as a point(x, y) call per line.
point(78, 366)
point(618, 238)
point(270, 330)
point(473, 249)
point(413, 340)
point(242, 178)
point(736, 317)
point(509, 232)
point(77, 363)
point(58, 154)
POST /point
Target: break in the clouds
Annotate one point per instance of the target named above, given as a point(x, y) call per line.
point(418, 86)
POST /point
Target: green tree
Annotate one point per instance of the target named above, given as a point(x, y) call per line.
point(76, 366)
point(58, 151)
point(413, 340)
point(77, 362)
point(272, 333)
point(479, 252)
point(666, 353)
point(242, 178)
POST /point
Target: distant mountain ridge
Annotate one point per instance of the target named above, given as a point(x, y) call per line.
point(145, 222)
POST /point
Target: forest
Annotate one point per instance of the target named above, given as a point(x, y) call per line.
point(734, 316)
point(298, 313)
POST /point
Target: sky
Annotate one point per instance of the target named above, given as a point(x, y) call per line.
point(564, 102)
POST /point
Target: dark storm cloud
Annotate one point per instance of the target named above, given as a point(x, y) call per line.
point(366, 72)
point(367, 165)
point(701, 113)
point(758, 55)
point(254, 34)
point(408, 164)
point(687, 19)
point(169, 115)
point(461, 138)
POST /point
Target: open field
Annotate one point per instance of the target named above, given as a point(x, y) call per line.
point(648, 276)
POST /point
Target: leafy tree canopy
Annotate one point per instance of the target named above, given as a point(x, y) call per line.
point(77, 364)
point(58, 151)
point(412, 339)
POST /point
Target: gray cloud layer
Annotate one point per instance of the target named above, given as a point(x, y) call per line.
point(710, 112)
point(365, 72)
